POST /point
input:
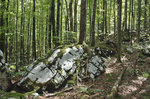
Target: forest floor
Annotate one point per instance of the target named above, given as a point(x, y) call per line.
point(131, 86)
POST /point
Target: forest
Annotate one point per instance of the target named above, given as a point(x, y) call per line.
point(74, 49)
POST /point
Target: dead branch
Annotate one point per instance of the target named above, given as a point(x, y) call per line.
point(114, 90)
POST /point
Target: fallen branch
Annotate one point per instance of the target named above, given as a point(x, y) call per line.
point(56, 93)
point(114, 90)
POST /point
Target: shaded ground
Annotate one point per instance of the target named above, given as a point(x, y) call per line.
point(131, 87)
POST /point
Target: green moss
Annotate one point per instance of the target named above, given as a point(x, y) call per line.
point(62, 52)
point(29, 93)
point(146, 96)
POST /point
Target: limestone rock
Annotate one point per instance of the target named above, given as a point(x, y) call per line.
point(4, 79)
point(51, 73)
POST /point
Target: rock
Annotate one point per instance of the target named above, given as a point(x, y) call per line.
point(53, 72)
point(4, 79)
point(146, 50)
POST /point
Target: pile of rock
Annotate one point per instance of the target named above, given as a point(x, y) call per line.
point(53, 72)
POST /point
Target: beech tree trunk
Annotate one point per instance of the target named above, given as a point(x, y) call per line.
point(58, 19)
point(83, 22)
point(145, 15)
point(34, 39)
point(119, 30)
point(93, 23)
point(2, 33)
point(139, 20)
point(125, 16)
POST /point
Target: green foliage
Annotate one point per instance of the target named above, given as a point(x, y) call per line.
point(146, 95)
point(60, 93)
point(6, 95)
point(82, 89)
point(85, 96)
point(146, 75)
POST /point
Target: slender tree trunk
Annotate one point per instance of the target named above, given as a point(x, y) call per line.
point(105, 18)
point(7, 23)
point(71, 17)
point(93, 23)
point(139, 20)
point(125, 16)
point(61, 22)
point(17, 37)
point(90, 18)
point(67, 19)
point(114, 8)
point(109, 17)
point(2, 33)
point(82, 37)
point(21, 32)
point(58, 19)
point(145, 15)
point(28, 40)
point(129, 23)
point(34, 36)
point(132, 22)
point(75, 15)
point(119, 30)
point(53, 21)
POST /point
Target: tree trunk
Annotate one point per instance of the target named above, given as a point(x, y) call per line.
point(6, 41)
point(93, 23)
point(71, 17)
point(125, 16)
point(83, 22)
point(105, 18)
point(17, 37)
point(114, 8)
point(75, 15)
point(119, 30)
point(58, 19)
point(145, 15)
point(21, 33)
point(2, 33)
point(139, 20)
point(34, 36)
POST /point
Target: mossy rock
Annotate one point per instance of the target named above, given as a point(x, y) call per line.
point(53, 72)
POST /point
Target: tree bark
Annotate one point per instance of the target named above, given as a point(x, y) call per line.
point(75, 15)
point(71, 17)
point(93, 23)
point(83, 22)
point(145, 15)
point(139, 20)
point(119, 30)
point(125, 16)
point(2, 33)
point(34, 37)
point(58, 19)
point(114, 8)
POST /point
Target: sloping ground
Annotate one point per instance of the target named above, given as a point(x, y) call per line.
point(131, 87)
